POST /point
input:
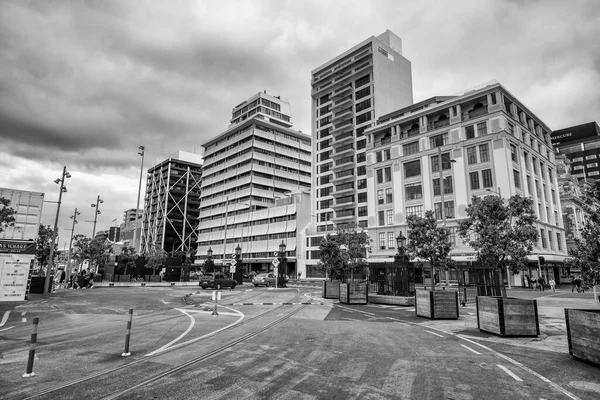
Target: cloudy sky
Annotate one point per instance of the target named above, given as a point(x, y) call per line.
point(84, 83)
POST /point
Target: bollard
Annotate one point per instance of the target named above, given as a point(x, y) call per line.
point(128, 334)
point(216, 296)
point(29, 373)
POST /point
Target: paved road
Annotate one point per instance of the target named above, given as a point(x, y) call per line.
point(325, 350)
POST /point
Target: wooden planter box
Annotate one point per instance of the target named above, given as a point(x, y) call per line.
point(152, 278)
point(331, 289)
point(507, 316)
point(124, 278)
point(441, 304)
point(583, 334)
point(354, 293)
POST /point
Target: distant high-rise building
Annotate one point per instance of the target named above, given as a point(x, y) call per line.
point(171, 204)
point(349, 93)
point(255, 186)
point(581, 144)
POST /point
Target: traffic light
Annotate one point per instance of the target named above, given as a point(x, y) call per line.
point(542, 260)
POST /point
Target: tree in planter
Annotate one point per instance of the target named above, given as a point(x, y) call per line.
point(343, 255)
point(94, 250)
point(586, 253)
point(43, 244)
point(7, 214)
point(127, 259)
point(156, 259)
point(429, 241)
point(330, 258)
point(501, 234)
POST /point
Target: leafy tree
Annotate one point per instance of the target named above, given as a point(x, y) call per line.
point(7, 214)
point(429, 241)
point(156, 259)
point(43, 245)
point(502, 234)
point(127, 259)
point(343, 256)
point(95, 250)
point(330, 257)
point(586, 253)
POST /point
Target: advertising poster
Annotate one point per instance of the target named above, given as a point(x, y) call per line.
point(15, 260)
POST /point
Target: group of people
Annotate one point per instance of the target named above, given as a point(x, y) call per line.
point(86, 275)
point(538, 284)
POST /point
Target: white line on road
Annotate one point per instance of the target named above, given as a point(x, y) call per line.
point(5, 329)
point(433, 333)
point(470, 349)
point(515, 377)
point(4, 318)
point(523, 367)
point(24, 312)
point(166, 346)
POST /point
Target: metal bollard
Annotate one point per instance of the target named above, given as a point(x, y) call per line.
point(215, 296)
point(29, 373)
point(128, 334)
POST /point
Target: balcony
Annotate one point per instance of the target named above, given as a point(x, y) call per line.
point(342, 127)
point(340, 150)
point(346, 113)
point(476, 112)
point(342, 91)
point(347, 188)
point(344, 204)
point(344, 176)
point(438, 124)
point(343, 217)
point(383, 142)
point(343, 163)
point(338, 105)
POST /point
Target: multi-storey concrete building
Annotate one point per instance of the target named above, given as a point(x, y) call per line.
point(581, 144)
point(571, 199)
point(127, 228)
point(349, 93)
point(444, 151)
point(255, 186)
point(171, 204)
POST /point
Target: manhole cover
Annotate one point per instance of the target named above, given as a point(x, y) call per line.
point(589, 386)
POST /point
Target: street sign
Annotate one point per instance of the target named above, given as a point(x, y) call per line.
point(233, 263)
point(232, 269)
point(275, 270)
point(275, 262)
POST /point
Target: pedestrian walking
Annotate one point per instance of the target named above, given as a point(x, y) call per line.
point(573, 285)
point(552, 284)
point(74, 279)
point(90, 284)
point(541, 282)
point(86, 279)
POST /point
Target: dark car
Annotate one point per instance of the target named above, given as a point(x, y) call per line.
point(216, 280)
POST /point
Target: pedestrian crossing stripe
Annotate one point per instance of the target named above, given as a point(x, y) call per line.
point(275, 304)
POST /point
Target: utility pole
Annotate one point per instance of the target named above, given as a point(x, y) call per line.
point(141, 153)
point(63, 189)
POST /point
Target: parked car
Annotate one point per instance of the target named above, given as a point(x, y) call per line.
point(196, 275)
point(216, 280)
point(266, 279)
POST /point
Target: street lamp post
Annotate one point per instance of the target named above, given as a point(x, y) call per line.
point(62, 190)
point(239, 273)
point(402, 258)
point(442, 202)
point(209, 263)
point(282, 264)
point(96, 206)
point(137, 248)
point(74, 218)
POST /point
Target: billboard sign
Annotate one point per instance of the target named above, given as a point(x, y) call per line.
point(15, 262)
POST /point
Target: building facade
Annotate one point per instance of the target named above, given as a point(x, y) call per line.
point(255, 186)
point(571, 199)
point(581, 144)
point(127, 228)
point(172, 204)
point(446, 150)
point(349, 93)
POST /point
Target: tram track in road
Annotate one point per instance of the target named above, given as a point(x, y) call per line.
point(122, 369)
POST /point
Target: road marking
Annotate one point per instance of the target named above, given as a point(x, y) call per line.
point(523, 367)
point(4, 318)
point(162, 349)
point(515, 377)
point(192, 323)
point(470, 349)
point(23, 313)
point(5, 329)
point(433, 333)
point(23, 319)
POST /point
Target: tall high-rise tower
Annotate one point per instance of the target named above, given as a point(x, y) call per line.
point(349, 93)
